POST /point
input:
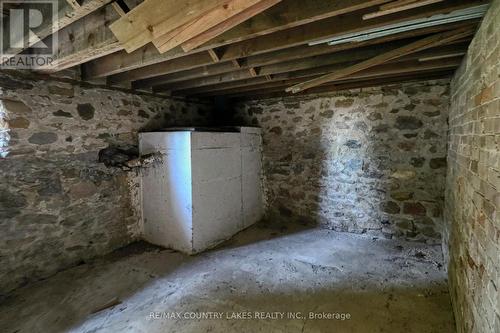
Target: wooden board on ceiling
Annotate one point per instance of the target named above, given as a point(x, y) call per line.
point(229, 23)
point(153, 18)
point(201, 23)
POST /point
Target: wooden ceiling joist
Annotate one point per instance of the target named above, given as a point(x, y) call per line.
point(278, 86)
point(374, 74)
point(400, 8)
point(298, 13)
point(282, 81)
point(205, 48)
point(298, 74)
point(296, 68)
point(432, 41)
point(299, 52)
point(348, 84)
point(86, 39)
point(68, 12)
point(211, 19)
point(230, 22)
point(296, 36)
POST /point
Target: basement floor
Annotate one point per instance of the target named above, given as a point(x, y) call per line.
point(375, 285)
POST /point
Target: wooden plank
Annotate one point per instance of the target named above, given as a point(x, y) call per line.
point(206, 21)
point(299, 12)
point(308, 66)
point(320, 30)
point(153, 18)
point(118, 9)
point(73, 3)
point(442, 56)
point(236, 63)
point(84, 40)
point(163, 73)
point(183, 63)
point(347, 85)
point(400, 8)
point(396, 3)
point(68, 13)
point(252, 71)
point(121, 61)
point(289, 14)
point(415, 69)
point(213, 54)
point(231, 22)
point(422, 44)
point(286, 79)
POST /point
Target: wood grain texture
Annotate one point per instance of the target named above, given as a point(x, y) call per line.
point(419, 45)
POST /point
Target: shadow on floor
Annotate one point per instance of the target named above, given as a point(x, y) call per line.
point(384, 285)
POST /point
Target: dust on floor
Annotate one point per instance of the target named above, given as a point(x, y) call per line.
point(266, 279)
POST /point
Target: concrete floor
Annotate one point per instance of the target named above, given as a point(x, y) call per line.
point(383, 285)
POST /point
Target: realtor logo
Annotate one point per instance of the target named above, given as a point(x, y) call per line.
point(24, 28)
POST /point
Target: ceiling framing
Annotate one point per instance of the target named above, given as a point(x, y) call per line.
point(270, 52)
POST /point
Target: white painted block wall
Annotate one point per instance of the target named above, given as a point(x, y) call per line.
point(207, 188)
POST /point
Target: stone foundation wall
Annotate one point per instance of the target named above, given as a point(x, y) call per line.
point(472, 216)
point(369, 160)
point(58, 205)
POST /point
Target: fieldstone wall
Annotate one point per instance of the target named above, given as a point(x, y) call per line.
point(472, 216)
point(369, 160)
point(58, 205)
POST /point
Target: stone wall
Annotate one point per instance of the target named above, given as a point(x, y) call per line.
point(58, 205)
point(473, 182)
point(369, 160)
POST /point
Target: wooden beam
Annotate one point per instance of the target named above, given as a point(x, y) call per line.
point(396, 3)
point(73, 3)
point(163, 73)
point(118, 8)
point(231, 22)
point(299, 12)
point(213, 54)
point(442, 56)
point(356, 84)
point(422, 44)
point(206, 21)
point(322, 29)
point(184, 63)
point(303, 67)
point(154, 18)
point(68, 12)
point(236, 63)
point(400, 8)
point(278, 87)
point(396, 67)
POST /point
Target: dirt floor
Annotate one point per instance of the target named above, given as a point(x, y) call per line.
point(266, 279)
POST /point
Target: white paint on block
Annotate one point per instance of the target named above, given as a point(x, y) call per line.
point(206, 189)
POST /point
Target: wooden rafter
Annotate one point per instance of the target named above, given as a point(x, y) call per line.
point(400, 8)
point(432, 41)
point(298, 68)
point(121, 62)
point(229, 23)
point(161, 74)
point(69, 12)
point(273, 50)
point(348, 84)
point(298, 76)
point(299, 13)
